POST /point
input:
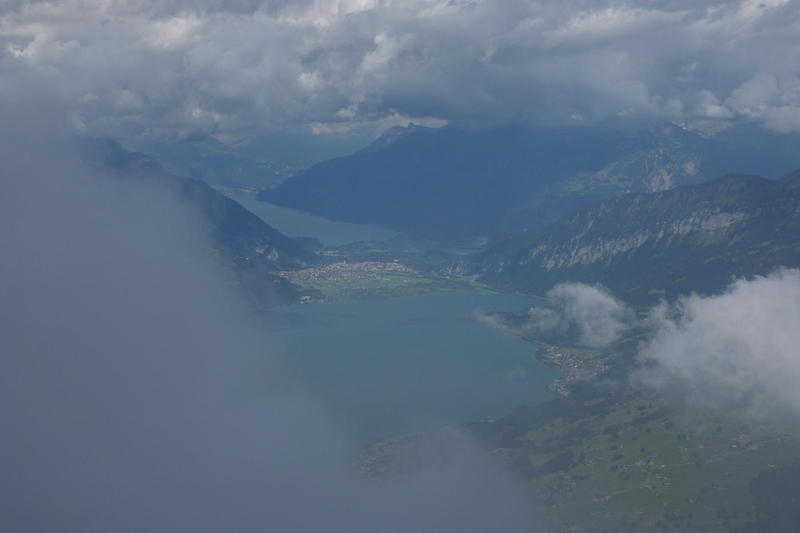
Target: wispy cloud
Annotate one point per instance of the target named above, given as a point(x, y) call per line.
point(586, 315)
point(738, 351)
point(576, 314)
point(137, 394)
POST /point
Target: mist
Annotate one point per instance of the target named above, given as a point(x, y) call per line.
point(581, 314)
point(137, 393)
point(738, 352)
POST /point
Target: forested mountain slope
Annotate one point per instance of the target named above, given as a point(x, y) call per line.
point(648, 245)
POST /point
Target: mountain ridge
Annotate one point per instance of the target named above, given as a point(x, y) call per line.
point(251, 248)
point(451, 181)
point(693, 238)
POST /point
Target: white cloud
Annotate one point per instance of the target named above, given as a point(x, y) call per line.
point(137, 394)
point(587, 315)
point(236, 67)
point(739, 351)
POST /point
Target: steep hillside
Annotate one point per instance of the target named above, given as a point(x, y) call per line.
point(217, 164)
point(691, 238)
point(440, 181)
point(242, 240)
point(455, 182)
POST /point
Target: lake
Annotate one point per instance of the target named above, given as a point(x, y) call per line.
point(298, 224)
point(386, 365)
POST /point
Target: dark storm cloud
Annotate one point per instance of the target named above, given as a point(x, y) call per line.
point(164, 68)
point(137, 394)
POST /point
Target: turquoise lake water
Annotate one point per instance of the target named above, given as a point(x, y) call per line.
point(298, 224)
point(387, 365)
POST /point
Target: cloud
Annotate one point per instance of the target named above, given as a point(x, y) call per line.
point(737, 351)
point(132, 68)
point(137, 393)
point(578, 313)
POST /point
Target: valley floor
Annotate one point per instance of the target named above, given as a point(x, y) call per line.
point(606, 457)
point(603, 457)
point(366, 279)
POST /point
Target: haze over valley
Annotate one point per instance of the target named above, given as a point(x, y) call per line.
point(402, 267)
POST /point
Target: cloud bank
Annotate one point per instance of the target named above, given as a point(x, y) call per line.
point(586, 315)
point(131, 68)
point(137, 394)
point(738, 351)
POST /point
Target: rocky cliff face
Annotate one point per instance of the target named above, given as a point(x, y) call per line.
point(652, 245)
point(712, 223)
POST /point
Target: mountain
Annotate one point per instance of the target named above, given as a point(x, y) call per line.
point(650, 245)
point(465, 182)
point(244, 242)
point(253, 164)
point(217, 164)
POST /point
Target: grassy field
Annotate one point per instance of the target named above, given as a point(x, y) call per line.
point(387, 286)
point(642, 465)
point(629, 462)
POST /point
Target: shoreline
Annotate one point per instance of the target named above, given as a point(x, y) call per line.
point(575, 365)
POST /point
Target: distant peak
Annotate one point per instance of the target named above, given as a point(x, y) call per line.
point(394, 134)
point(704, 128)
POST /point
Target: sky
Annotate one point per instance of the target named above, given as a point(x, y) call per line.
point(184, 68)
